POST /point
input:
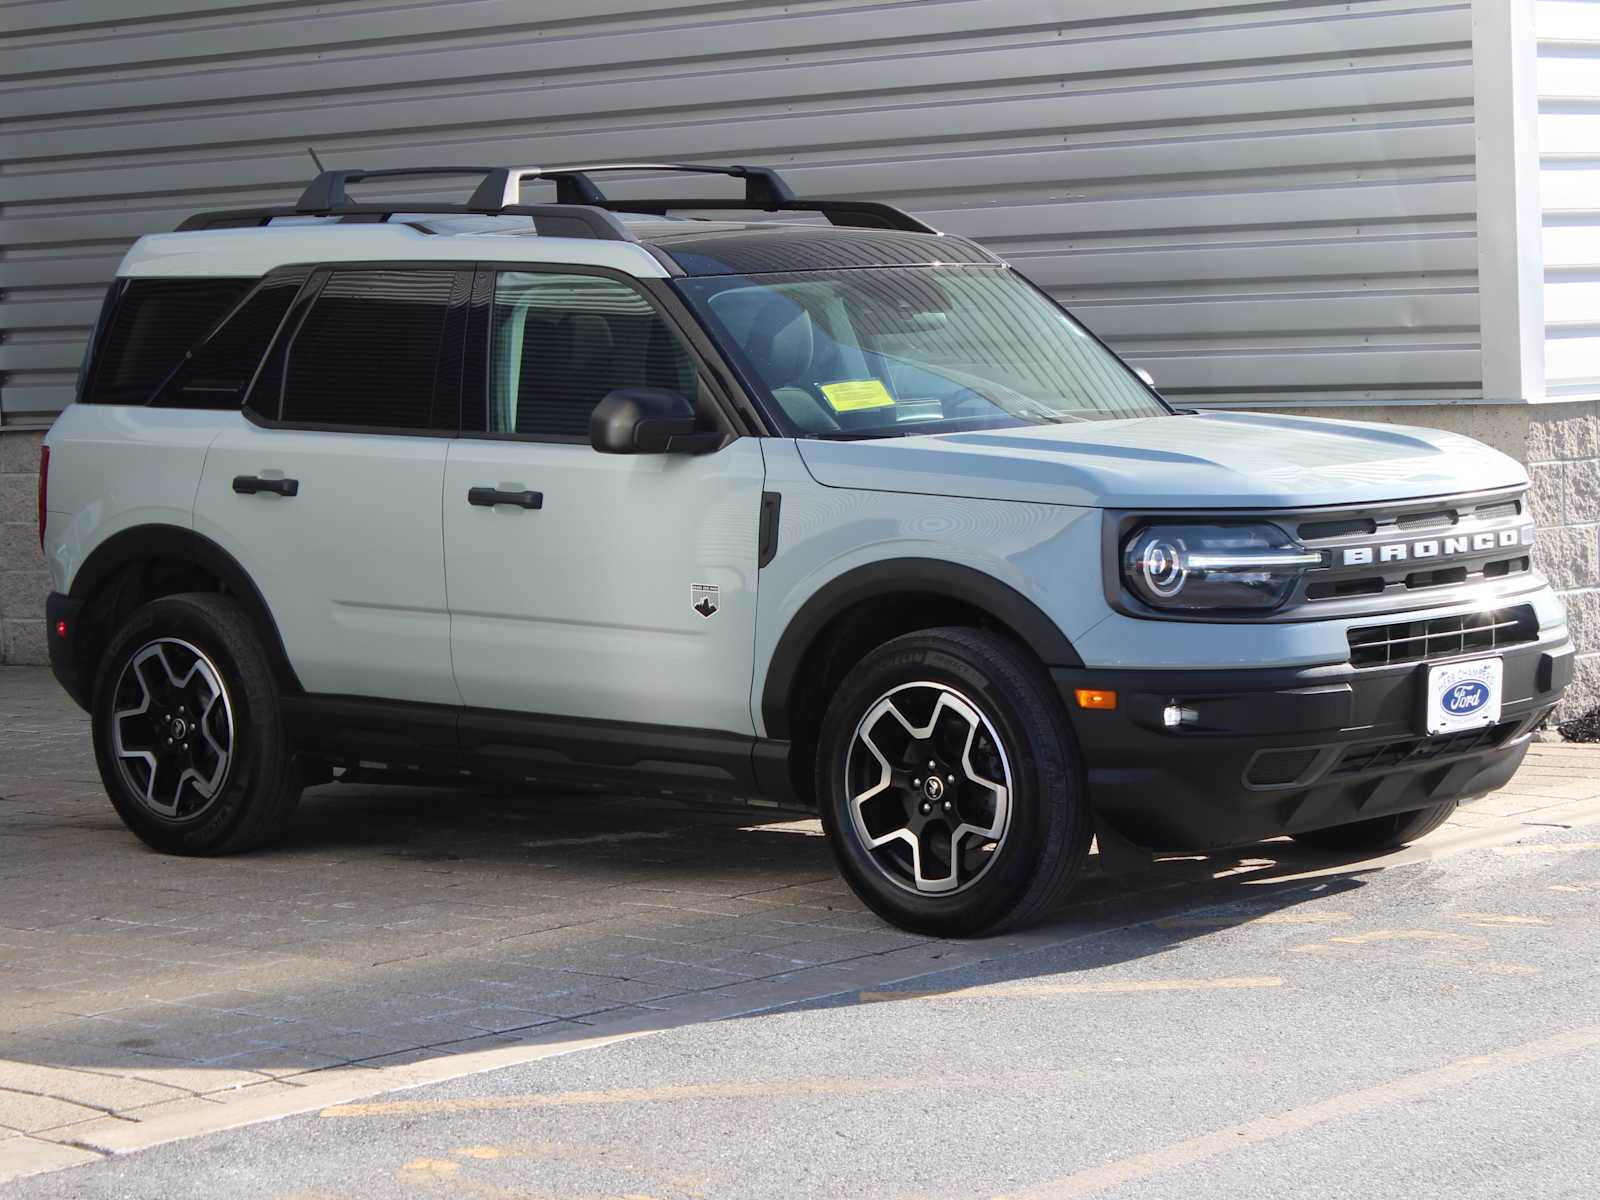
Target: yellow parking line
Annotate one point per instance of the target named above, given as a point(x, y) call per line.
point(1349, 1104)
point(1109, 987)
point(1552, 848)
point(1405, 935)
point(692, 1091)
point(1499, 919)
point(433, 1166)
point(1277, 918)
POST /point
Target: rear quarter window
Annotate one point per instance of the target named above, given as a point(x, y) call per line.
point(149, 326)
point(219, 368)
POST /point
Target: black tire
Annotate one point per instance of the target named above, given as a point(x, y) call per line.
point(195, 665)
point(1022, 731)
point(1380, 834)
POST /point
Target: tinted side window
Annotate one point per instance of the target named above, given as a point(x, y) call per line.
point(154, 323)
point(368, 354)
point(220, 368)
point(559, 343)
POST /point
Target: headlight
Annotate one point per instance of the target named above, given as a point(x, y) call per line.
point(1187, 567)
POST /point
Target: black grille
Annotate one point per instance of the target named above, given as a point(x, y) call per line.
point(1492, 512)
point(1433, 520)
point(1442, 637)
point(1276, 768)
point(1443, 577)
point(1384, 756)
point(1372, 586)
point(1401, 549)
point(1313, 530)
point(1506, 566)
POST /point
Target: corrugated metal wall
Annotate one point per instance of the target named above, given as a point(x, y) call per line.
point(1258, 201)
point(1569, 193)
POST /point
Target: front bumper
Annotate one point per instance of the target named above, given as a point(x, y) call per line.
point(1283, 751)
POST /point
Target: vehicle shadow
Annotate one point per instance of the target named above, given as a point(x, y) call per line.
point(398, 924)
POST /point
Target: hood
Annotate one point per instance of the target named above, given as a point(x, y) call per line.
point(1208, 460)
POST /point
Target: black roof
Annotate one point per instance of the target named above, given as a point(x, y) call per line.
point(761, 247)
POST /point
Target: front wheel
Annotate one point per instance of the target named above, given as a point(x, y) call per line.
point(950, 784)
point(1379, 834)
point(187, 734)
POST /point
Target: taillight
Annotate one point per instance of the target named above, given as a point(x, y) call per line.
point(44, 489)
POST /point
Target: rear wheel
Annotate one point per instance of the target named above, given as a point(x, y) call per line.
point(1379, 834)
point(950, 784)
point(187, 733)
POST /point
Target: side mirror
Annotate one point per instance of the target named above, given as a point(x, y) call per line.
point(643, 421)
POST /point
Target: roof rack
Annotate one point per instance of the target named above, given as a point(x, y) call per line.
point(581, 208)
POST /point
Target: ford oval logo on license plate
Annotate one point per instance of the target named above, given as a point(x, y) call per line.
point(1464, 695)
point(1467, 697)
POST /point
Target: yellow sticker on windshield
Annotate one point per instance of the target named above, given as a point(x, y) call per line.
point(855, 394)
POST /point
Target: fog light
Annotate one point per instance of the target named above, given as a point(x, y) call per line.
point(1175, 714)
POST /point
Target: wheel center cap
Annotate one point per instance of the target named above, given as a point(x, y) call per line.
point(933, 787)
point(180, 728)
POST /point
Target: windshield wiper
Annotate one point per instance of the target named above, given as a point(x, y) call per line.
point(1058, 419)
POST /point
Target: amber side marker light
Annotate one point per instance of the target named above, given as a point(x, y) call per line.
point(1095, 698)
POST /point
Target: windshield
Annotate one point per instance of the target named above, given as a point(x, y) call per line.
point(879, 352)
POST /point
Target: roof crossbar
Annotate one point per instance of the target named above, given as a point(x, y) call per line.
point(764, 188)
point(326, 192)
point(584, 210)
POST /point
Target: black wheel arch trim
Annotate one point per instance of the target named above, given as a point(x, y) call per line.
point(143, 542)
point(925, 576)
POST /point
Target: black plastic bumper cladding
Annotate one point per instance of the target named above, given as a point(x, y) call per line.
point(61, 614)
point(1221, 781)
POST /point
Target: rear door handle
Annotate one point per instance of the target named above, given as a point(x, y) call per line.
point(488, 497)
point(249, 485)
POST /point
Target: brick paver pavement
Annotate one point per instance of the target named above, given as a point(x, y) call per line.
point(396, 925)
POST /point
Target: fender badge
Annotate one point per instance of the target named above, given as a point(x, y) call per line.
point(705, 598)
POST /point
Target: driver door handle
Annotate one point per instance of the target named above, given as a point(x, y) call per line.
point(488, 497)
point(249, 485)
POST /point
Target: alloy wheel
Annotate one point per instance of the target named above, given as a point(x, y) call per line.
point(930, 788)
point(172, 729)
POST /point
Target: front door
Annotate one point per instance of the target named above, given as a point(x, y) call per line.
point(599, 586)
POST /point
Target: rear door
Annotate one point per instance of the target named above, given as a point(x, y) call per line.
point(327, 487)
point(628, 594)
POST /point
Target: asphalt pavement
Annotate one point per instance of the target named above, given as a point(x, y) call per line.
point(1431, 1029)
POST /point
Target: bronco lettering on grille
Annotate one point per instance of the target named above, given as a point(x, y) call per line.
point(1435, 547)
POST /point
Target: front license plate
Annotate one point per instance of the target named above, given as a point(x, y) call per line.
point(1464, 695)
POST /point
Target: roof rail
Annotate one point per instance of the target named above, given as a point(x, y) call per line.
point(551, 220)
point(584, 210)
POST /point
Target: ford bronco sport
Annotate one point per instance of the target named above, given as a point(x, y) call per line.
point(829, 507)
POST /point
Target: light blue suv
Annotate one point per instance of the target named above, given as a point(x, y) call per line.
point(829, 507)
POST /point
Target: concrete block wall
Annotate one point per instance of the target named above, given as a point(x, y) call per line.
point(23, 582)
point(1562, 451)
